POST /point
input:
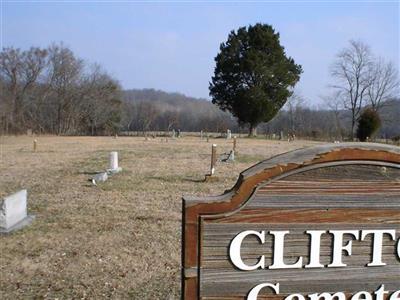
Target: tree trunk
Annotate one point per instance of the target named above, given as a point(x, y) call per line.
point(353, 123)
point(253, 131)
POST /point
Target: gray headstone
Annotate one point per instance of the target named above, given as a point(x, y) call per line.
point(100, 177)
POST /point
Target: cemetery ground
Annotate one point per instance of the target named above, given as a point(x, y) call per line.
point(122, 238)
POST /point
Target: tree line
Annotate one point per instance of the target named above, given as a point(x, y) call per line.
point(53, 91)
point(151, 110)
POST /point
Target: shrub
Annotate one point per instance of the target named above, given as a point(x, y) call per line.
point(368, 124)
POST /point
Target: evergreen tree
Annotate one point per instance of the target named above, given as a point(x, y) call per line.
point(368, 124)
point(253, 77)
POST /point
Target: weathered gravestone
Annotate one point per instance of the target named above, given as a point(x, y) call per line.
point(302, 225)
point(13, 212)
point(113, 165)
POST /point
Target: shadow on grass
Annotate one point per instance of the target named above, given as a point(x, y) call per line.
point(175, 178)
point(90, 172)
point(194, 180)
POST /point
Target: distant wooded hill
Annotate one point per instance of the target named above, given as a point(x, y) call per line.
point(153, 110)
point(150, 109)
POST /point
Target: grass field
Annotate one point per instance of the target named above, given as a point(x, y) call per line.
point(120, 239)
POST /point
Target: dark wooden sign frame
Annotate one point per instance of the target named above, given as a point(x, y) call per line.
point(196, 210)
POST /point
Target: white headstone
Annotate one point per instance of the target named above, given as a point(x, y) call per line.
point(114, 168)
point(13, 209)
point(228, 134)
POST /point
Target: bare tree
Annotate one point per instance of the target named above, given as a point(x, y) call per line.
point(19, 71)
point(384, 85)
point(352, 71)
point(51, 90)
point(99, 101)
point(64, 78)
point(294, 108)
point(335, 104)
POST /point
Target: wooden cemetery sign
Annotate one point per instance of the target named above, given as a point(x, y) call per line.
point(313, 224)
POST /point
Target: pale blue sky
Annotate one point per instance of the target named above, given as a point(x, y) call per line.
point(172, 45)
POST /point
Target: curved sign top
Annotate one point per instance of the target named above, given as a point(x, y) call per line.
point(315, 223)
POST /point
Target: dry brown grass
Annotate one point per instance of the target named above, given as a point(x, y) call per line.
point(120, 239)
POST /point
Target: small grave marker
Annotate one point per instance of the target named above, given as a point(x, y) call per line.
point(228, 134)
point(34, 145)
point(99, 177)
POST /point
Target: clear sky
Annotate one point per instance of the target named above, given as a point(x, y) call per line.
point(171, 45)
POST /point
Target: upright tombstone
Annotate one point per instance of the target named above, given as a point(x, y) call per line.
point(113, 166)
point(34, 145)
point(315, 223)
point(13, 212)
point(228, 134)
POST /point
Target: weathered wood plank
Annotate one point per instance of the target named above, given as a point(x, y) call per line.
point(347, 186)
point(311, 216)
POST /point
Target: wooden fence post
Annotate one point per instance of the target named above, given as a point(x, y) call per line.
point(213, 158)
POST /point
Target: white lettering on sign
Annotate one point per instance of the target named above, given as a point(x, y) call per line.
point(395, 296)
point(338, 247)
point(256, 290)
point(279, 242)
point(342, 244)
point(362, 295)
point(315, 248)
point(377, 248)
point(327, 296)
point(234, 250)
